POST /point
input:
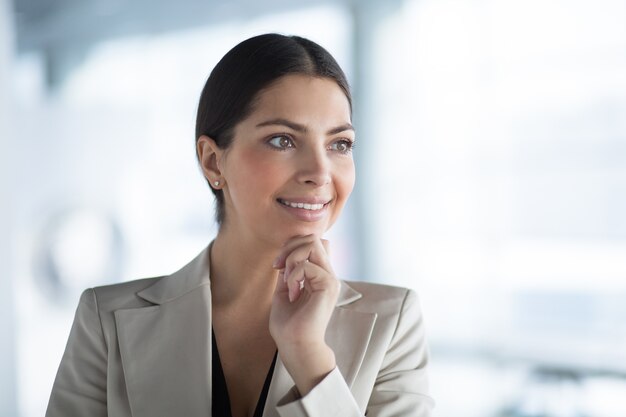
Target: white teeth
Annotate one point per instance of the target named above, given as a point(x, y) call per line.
point(305, 206)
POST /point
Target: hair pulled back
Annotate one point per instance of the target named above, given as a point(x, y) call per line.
point(229, 94)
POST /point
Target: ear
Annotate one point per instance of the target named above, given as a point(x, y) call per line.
point(209, 155)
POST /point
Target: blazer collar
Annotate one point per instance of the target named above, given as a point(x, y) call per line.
point(191, 276)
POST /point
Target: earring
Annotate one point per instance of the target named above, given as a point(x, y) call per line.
point(216, 183)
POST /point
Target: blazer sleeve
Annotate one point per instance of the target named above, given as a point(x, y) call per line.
point(400, 389)
point(80, 385)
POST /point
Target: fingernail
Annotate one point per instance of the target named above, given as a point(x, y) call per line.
point(291, 296)
point(275, 264)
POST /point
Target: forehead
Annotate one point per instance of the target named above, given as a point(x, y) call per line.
point(304, 98)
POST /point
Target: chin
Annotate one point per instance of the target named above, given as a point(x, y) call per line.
point(307, 229)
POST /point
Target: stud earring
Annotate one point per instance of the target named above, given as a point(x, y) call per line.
point(216, 183)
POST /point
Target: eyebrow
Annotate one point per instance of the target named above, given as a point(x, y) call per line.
point(301, 128)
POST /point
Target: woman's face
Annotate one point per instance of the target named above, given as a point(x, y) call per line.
point(289, 169)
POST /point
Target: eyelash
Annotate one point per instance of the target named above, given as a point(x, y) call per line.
point(349, 143)
point(280, 148)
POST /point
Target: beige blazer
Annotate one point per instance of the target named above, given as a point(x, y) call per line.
point(143, 349)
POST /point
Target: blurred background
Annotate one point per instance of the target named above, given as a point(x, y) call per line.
point(491, 177)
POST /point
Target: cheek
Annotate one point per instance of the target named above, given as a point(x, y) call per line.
point(344, 183)
point(346, 179)
point(254, 176)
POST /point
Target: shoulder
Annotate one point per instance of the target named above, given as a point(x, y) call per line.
point(121, 295)
point(149, 291)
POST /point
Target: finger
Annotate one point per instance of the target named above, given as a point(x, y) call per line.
point(313, 252)
point(281, 284)
point(294, 282)
point(298, 276)
point(310, 278)
point(289, 246)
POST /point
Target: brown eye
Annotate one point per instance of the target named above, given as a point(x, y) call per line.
point(343, 146)
point(281, 142)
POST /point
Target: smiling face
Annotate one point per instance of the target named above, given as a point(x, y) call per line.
point(289, 169)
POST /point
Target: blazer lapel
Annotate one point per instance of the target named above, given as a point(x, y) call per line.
point(166, 348)
point(348, 334)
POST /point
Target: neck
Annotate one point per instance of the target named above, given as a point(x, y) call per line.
point(241, 271)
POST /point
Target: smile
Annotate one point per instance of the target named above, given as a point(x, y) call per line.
point(305, 206)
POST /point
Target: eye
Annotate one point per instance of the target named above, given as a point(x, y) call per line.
point(281, 142)
point(342, 145)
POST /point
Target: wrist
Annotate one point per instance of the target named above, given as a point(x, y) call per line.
point(307, 364)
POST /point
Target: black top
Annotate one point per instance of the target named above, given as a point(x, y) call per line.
point(221, 400)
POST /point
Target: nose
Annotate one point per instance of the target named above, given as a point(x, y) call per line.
point(314, 167)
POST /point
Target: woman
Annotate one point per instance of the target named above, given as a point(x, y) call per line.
point(258, 323)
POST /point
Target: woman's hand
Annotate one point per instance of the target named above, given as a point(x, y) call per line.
point(304, 299)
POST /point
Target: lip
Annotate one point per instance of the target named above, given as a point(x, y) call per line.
point(303, 214)
point(306, 200)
